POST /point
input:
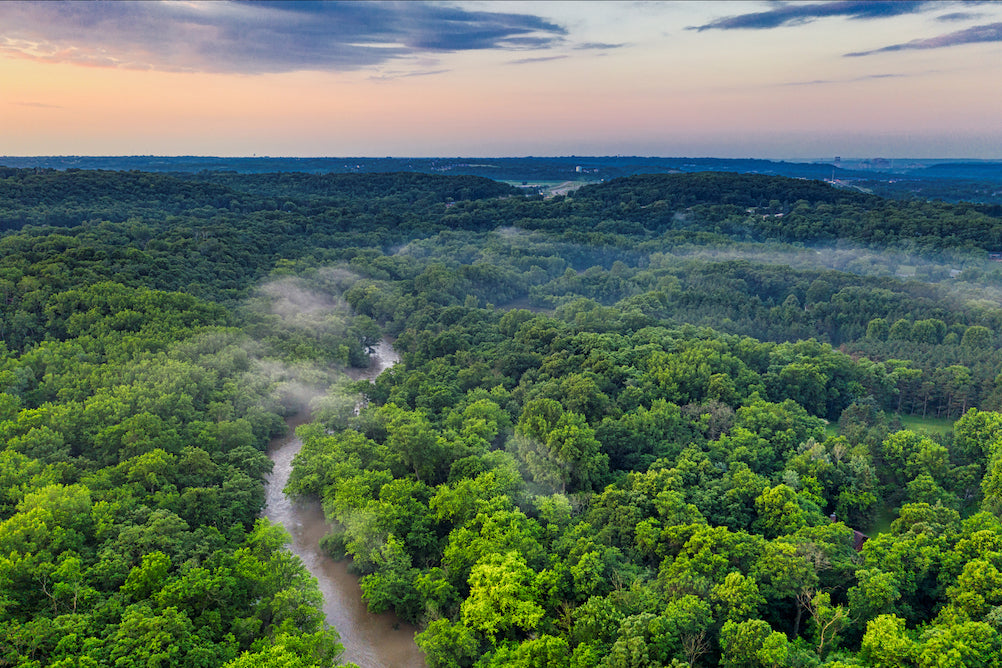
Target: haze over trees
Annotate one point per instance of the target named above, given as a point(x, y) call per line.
point(621, 427)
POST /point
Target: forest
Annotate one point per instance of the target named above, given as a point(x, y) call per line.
point(951, 181)
point(658, 421)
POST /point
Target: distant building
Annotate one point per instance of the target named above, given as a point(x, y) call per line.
point(858, 538)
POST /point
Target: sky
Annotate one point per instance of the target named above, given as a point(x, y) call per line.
point(779, 80)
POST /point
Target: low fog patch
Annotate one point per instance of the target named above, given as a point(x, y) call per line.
point(298, 304)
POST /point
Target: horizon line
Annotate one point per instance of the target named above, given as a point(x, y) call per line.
point(488, 157)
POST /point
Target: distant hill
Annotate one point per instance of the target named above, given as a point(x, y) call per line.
point(962, 170)
point(559, 168)
point(971, 181)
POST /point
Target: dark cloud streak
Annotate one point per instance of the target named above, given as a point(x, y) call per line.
point(796, 14)
point(597, 46)
point(991, 32)
point(540, 59)
point(958, 16)
point(258, 37)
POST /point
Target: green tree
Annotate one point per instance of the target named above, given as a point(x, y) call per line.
point(737, 597)
point(965, 645)
point(448, 645)
point(888, 644)
point(900, 330)
point(752, 643)
point(878, 329)
point(779, 512)
point(502, 596)
point(977, 337)
point(559, 448)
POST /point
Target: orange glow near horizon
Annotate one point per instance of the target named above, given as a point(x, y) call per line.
point(656, 97)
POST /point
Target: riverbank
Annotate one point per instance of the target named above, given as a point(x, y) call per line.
point(370, 641)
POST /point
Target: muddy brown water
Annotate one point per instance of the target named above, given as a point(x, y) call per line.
point(370, 640)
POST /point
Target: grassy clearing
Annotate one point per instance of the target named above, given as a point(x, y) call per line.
point(882, 522)
point(921, 425)
point(916, 423)
point(928, 425)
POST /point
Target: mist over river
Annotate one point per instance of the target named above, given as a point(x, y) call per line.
point(370, 641)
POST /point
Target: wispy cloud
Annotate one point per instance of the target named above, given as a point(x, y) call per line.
point(959, 16)
point(822, 82)
point(393, 76)
point(795, 14)
point(38, 105)
point(539, 59)
point(258, 37)
point(598, 46)
point(986, 33)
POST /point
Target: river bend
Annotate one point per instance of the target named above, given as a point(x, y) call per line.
point(370, 641)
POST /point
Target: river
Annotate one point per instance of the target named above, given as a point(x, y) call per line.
point(370, 641)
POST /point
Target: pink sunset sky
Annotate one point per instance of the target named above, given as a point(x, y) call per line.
point(727, 79)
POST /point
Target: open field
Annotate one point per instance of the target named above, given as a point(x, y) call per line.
point(928, 425)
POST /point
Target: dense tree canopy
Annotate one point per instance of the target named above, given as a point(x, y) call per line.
point(644, 425)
